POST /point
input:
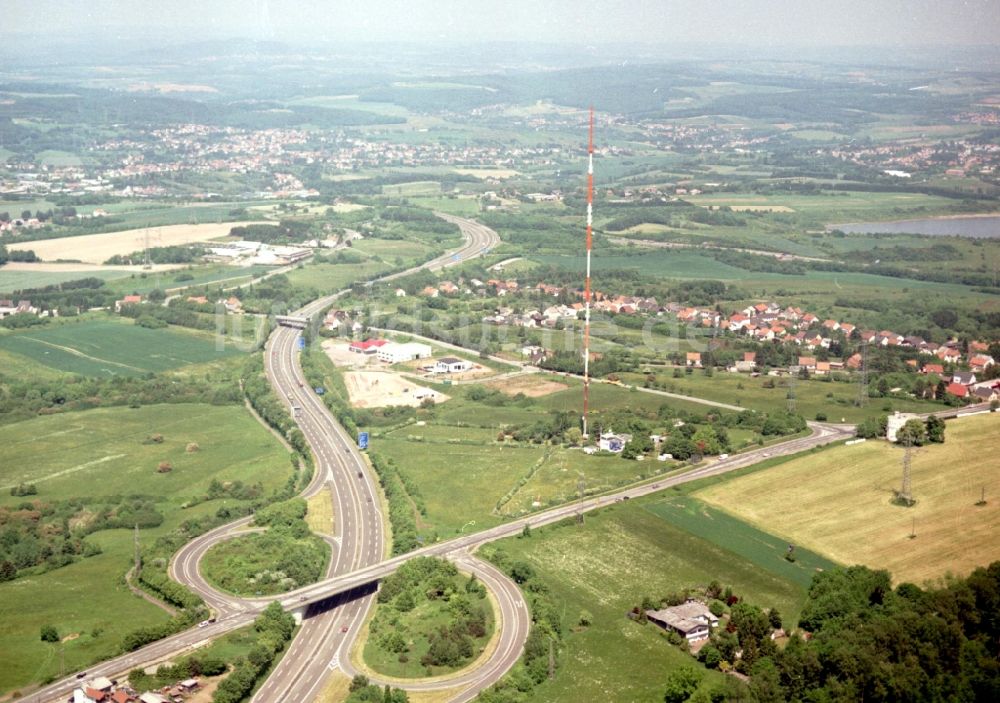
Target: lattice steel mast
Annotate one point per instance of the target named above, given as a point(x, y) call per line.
point(586, 285)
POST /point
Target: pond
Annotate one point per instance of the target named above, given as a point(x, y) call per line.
point(974, 226)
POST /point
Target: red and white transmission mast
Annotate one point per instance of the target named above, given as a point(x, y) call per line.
point(586, 285)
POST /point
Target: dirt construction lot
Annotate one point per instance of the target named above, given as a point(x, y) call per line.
point(532, 385)
point(342, 356)
point(379, 389)
point(98, 248)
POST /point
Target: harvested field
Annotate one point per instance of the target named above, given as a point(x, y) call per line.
point(83, 269)
point(98, 248)
point(379, 389)
point(839, 503)
point(531, 385)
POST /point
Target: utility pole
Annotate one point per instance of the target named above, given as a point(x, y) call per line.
point(791, 394)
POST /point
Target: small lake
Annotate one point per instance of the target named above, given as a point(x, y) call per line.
point(987, 227)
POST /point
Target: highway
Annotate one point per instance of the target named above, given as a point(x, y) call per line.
point(359, 542)
point(344, 598)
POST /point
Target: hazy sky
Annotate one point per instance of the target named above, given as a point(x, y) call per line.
point(751, 22)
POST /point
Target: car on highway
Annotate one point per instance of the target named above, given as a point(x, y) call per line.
point(203, 623)
point(360, 475)
point(81, 674)
point(345, 628)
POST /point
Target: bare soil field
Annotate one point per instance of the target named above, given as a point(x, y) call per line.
point(98, 248)
point(379, 389)
point(531, 385)
point(342, 357)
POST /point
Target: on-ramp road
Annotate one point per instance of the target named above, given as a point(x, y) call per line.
point(344, 598)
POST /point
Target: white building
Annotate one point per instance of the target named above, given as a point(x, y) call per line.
point(895, 423)
point(393, 353)
point(451, 364)
point(611, 442)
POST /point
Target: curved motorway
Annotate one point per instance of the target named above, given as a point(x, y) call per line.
point(337, 606)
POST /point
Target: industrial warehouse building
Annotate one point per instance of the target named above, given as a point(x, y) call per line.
point(393, 353)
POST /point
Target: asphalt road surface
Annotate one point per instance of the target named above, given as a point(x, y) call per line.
point(343, 599)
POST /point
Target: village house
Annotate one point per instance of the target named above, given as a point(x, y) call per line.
point(693, 359)
point(335, 319)
point(985, 394)
point(957, 390)
point(980, 362)
point(748, 363)
point(965, 378)
point(9, 307)
point(692, 620)
point(233, 305)
point(127, 300)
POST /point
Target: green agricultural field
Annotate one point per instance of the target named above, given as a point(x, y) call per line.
point(464, 207)
point(110, 347)
point(224, 276)
point(605, 397)
point(838, 502)
point(12, 280)
point(328, 278)
point(52, 157)
point(413, 188)
point(96, 455)
point(811, 396)
point(721, 529)
point(566, 473)
point(459, 483)
point(606, 566)
point(389, 249)
point(106, 452)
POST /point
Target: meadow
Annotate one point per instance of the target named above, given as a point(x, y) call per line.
point(839, 502)
point(620, 555)
point(19, 279)
point(109, 347)
point(95, 456)
point(329, 278)
point(835, 399)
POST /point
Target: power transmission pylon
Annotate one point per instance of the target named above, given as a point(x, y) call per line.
point(905, 495)
point(863, 378)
